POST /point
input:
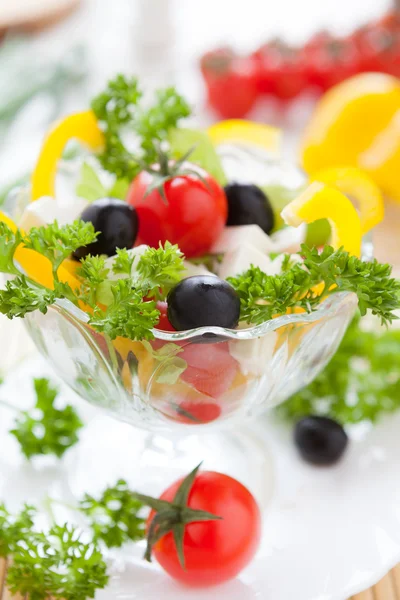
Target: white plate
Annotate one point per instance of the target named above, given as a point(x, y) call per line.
point(328, 533)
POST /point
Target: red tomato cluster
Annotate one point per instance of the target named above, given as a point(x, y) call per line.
point(235, 83)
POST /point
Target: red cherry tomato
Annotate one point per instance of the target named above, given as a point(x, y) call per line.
point(214, 551)
point(163, 324)
point(280, 71)
point(197, 412)
point(330, 60)
point(192, 215)
point(210, 368)
point(231, 83)
point(379, 48)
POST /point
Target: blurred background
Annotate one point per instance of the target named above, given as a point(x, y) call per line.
point(55, 54)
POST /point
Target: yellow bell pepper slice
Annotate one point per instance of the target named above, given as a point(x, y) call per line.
point(382, 158)
point(320, 201)
point(36, 266)
point(82, 126)
point(247, 132)
point(358, 185)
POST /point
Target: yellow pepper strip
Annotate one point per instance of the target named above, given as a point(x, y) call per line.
point(359, 186)
point(246, 132)
point(320, 201)
point(82, 126)
point(36, 266)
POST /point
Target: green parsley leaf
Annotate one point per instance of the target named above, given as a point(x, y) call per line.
point(93, 272)
point(9, 242)
point(154, 124)
point(57, 565)
point(360, 383)
point(58, 243)
point(264, 296)
point(14, 528)
point(114, 517)
point(19, 297)
point(160, 269)
point(127, 316)
point(123, 262)
point(47, 429)
point(117, 109)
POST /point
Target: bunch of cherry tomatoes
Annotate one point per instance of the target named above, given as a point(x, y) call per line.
point(235, 83)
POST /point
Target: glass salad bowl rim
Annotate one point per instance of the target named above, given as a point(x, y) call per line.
point(210, 334)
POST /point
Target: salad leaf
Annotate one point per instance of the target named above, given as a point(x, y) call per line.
point(114, 516)
point(203, 151)
point(361, 382)
point(46, 429)
point(304, 285)
point(89, 185)
point(91, 188)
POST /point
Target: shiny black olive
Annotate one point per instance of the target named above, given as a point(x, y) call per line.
point(203, 300)
point(248, 205)
point(117, 223)
point(320, 441)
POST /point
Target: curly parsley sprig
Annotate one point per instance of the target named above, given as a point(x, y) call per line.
point(46, 429)
point(303, 285)
point(53, 564)
point(119, 112)
point(360, 383)
point(115, 517)
point(116, 306)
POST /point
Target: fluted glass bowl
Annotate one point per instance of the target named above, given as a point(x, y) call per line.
point(209, 376)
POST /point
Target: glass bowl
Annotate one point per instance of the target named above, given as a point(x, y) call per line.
point(185, 382)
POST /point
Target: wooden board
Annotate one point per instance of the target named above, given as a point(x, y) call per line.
point(387, 589)
point(33, 14)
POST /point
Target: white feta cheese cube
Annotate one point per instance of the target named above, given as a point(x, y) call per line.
point(191, 270)
point(289, 239)
point(255, 355)
point(233, 237)
point(239, 260)
point(46, 210)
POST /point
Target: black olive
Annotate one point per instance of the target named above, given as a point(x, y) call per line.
point(248, 205)
point(117, 223)
point(203, 300)
point(320, 441)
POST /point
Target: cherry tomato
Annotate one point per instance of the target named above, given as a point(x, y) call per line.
point(163, 324)
point(231, 83)
point(379, 47)
point(197, 413)
point(391, 20)
point(210, 368)
point(215, 551)
point(330, 60)
point(280, 70)
point(192, 215)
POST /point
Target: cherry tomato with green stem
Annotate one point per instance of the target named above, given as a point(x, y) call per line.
point(185, 206)
point(204, 529)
